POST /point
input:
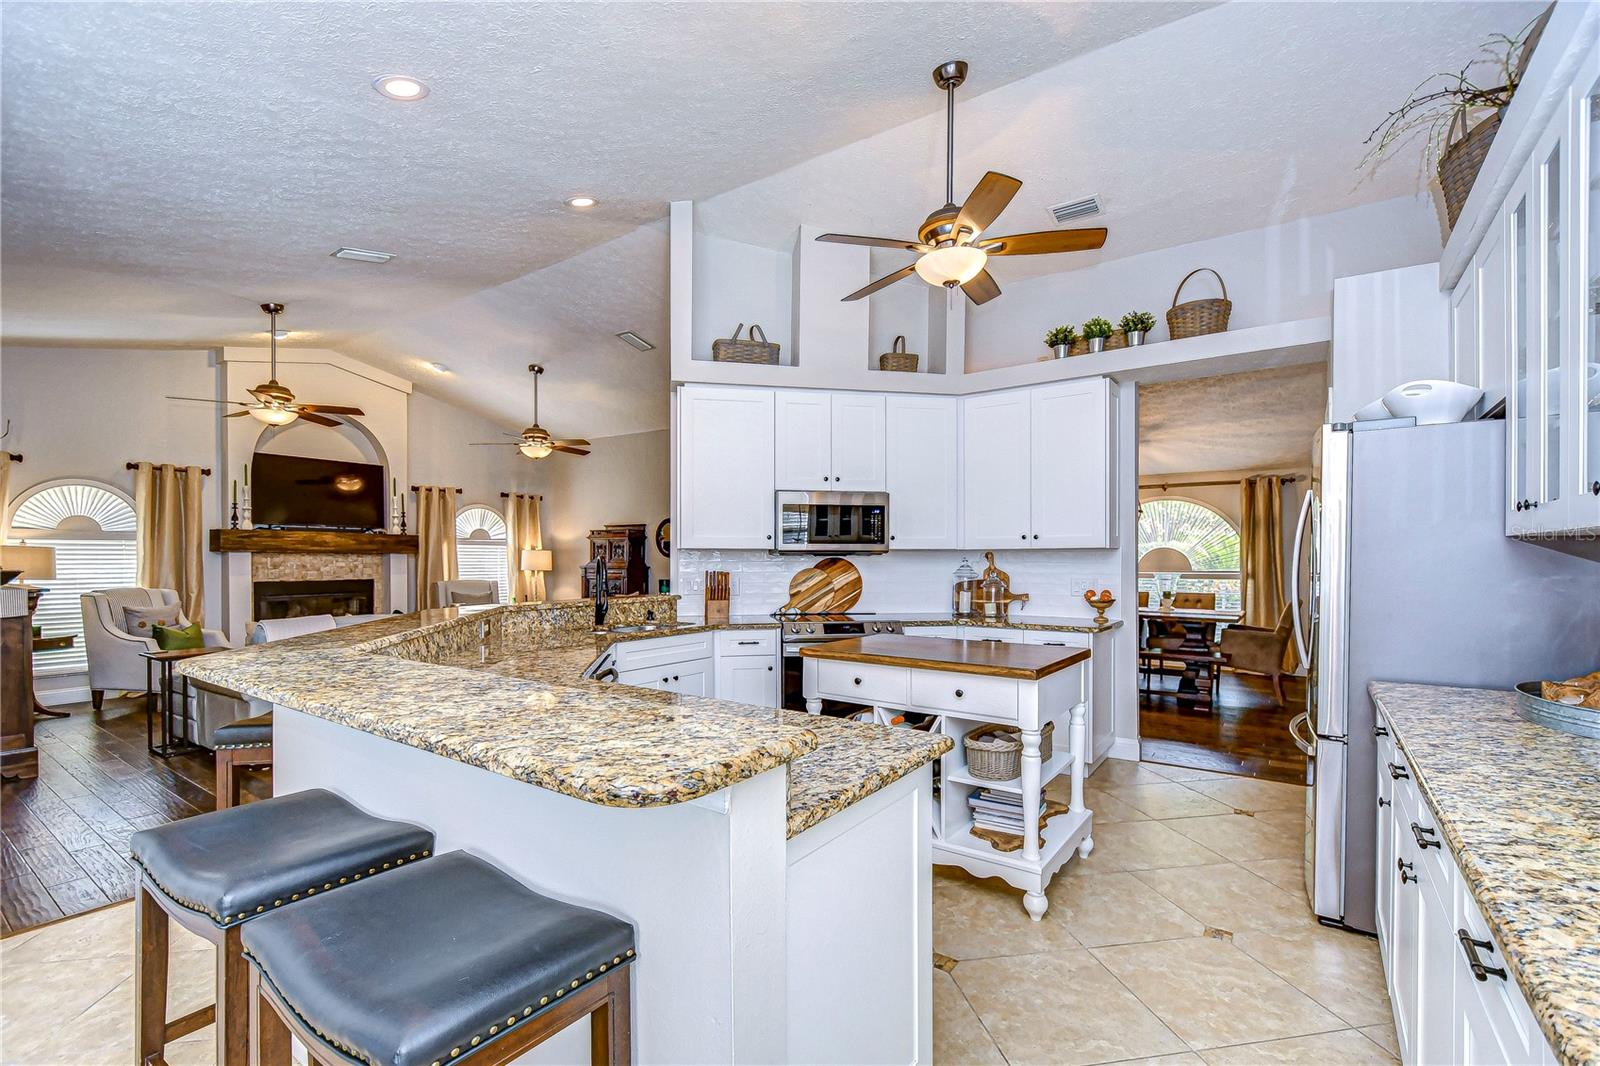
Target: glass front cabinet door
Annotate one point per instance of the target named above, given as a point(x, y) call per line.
point(1523, 406)
point(1583, 389)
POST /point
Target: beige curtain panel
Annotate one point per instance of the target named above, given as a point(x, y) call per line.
point(169, 539)
point(523, 530)
point(436, 539)
point(1261, 588)
point(5, 495)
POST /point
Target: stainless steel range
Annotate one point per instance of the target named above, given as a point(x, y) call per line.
point(798, 630)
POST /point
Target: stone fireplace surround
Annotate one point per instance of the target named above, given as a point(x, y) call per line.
point(312, 567)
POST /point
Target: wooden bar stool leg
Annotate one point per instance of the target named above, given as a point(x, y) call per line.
point(269, 1037)
point(619, 1017)
point(233, 991)
point(149, 975)
point(227, 784)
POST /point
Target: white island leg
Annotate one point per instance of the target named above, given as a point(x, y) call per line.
point(1035, 903)
point(1078, 766)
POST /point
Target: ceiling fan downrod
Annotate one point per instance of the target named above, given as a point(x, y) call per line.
point(948, 76)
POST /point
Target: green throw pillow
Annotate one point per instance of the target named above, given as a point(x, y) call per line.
point(177, 638)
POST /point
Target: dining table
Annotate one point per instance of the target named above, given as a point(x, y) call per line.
point(1199, 643)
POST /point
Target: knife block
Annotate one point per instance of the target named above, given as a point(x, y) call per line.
point(718, 595)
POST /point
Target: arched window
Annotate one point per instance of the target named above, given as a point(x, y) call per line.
point(1182, 532)
point(481, 547)
point(91, 528)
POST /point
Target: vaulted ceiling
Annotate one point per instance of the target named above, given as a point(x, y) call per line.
point(168, 166)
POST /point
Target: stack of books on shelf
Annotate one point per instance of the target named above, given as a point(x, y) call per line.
point(998, 811)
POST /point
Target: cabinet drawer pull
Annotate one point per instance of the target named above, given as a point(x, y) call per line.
point(747, 643)
point(1470, 947)
point(1398, 772)
point(1380, 730)
point(1426, 838)
point(1405, 869)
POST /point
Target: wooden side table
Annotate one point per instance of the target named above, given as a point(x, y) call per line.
point(57, 643)
point(164, 660)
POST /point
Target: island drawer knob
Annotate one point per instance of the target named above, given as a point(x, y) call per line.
point(858, 681)
point(1405, 869)
point(959, 694)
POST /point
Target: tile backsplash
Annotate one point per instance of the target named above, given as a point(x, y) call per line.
point(900, 581)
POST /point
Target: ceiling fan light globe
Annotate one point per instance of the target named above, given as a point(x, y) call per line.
point(537, 449)
point(951, 265)
point(273, 416)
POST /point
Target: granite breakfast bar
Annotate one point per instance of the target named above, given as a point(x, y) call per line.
point(766, 859)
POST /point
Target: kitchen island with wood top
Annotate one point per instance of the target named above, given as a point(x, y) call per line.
point(963, 686)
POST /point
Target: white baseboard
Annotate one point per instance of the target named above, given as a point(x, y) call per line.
point(1124, 748)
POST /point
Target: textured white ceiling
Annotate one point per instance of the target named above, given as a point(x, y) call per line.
point(1232, 422)
point(169, 166)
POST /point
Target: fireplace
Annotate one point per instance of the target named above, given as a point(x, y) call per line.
point(296, 599)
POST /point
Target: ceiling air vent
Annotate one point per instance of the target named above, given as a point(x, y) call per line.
point(1089, 205)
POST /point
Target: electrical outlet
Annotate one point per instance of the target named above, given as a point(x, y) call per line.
point(1078, 586)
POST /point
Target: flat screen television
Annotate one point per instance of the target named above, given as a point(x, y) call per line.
point(293, 490)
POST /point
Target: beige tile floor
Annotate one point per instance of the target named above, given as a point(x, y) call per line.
point(1184, 938)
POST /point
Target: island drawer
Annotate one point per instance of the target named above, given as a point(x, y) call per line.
point(747, 642)
point(866, 685)
point(990, 697)
point(661, 651)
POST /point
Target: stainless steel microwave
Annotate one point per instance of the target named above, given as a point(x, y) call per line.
point(832, 523)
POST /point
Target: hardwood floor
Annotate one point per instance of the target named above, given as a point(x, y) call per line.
point(64, 834)
point(1246, 733)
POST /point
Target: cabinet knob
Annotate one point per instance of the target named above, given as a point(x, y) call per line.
point(674, 677)
point(1470, 947)
point(1405, 869)
point(858, 681)
point(1534, 504)
point(1380, 731)
point(959, 694)
point(1595, 488)
point(1384, 803)
point(1024, 536)
point(769, 536)
point(1036, 536)
point(1520, 503)
point(891, 536)
point(769, 669)
point(1398, 772)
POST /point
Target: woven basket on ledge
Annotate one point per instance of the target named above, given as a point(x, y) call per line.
point(1196, 318)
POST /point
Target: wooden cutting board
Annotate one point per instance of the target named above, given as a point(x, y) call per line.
point(831, 586)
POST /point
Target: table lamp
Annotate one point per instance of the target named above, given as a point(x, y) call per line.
point(33, 561)
point(537, 560)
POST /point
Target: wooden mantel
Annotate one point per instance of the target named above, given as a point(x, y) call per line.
point(319, 541)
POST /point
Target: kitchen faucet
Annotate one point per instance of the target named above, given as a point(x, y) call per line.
point(600, 604)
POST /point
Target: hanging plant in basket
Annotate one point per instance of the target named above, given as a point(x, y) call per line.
point(1456, 116)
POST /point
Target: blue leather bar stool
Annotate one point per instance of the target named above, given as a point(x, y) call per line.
point(215, 873)
point(240, 743)
point(448, 961)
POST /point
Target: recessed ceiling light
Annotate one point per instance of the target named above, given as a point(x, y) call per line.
point(363, 255)
point(400, 87)
point(581, 202)
point(438, 368)
point(628, 336)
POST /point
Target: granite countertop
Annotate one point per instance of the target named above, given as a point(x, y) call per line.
point(1020, 662)
point(1519, 806)
point(503, 689)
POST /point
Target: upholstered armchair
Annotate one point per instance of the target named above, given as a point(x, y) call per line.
point(1256, 650)
point(463, 593)
point(113, 652)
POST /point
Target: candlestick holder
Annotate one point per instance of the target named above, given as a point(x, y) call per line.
point(233, 516)
point(402, 517)
point(244, 511)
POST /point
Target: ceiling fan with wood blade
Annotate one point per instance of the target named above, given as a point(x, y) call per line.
point(535, 442)
point(274, 404)
point(950, 242)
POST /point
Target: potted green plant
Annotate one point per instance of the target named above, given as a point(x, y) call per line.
point(1059, 340)
point(1095, 331)
point(1136, 325)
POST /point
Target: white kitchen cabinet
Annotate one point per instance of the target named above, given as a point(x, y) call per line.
point(1582, 377)
point(1523, 403)
point(804, 453)
point(1073, 469)
point(924, 471)
point(725, 467)
point(690, 678)
point(829, 440)
point(1489, 283)
point(1430, 931)
point(746, 664)
point(996, 486)
point(1465, 362)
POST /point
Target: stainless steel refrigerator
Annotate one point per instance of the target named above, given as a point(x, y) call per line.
point(1412, 578)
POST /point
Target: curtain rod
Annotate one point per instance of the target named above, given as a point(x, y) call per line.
point(1288, 479)
point(204, 470)
point(419, 488)
point(507, 496)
